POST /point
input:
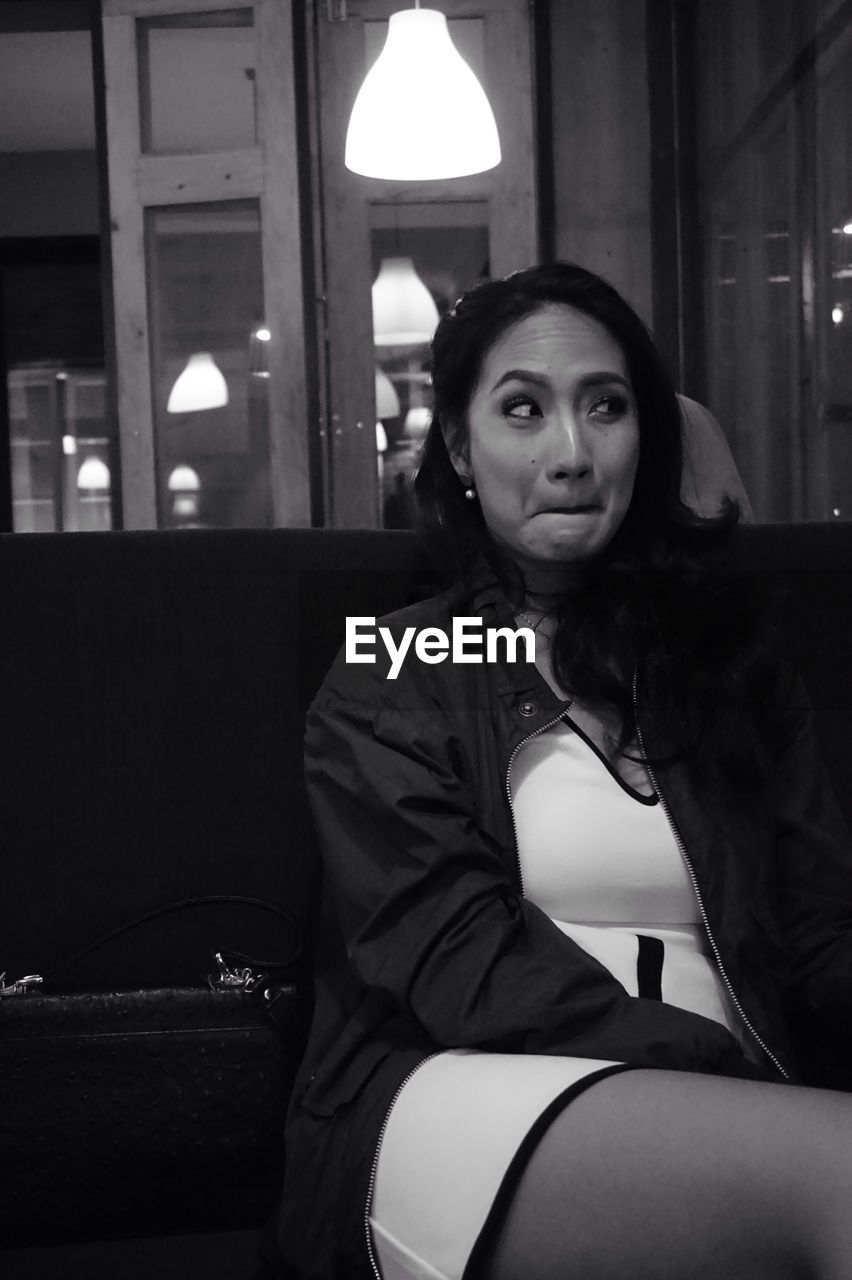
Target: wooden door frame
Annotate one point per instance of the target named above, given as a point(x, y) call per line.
point(267, 172)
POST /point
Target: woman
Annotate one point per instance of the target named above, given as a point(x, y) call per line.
point(545, 876)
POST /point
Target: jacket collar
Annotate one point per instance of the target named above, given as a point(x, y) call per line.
point(521, 681)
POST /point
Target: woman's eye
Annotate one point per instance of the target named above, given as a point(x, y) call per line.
point(521, 407)
point(609, 407)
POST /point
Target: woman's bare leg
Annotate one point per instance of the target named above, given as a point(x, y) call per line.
point(671, 1176)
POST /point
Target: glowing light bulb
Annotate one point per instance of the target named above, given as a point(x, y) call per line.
point(404, 311)
point(201, 385)
point(387, 401)
point(93, 474)
point(183, 479)
point(421, 113)
point(417, 422)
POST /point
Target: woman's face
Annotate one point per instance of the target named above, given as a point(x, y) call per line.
point(553, 442)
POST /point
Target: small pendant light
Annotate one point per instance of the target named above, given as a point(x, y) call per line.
point(404, 310)
point(387, 401)
point(421, 113)
point(93, 476)
point(417, 422)
point(93, 495)
point(183, 479)
point(184, 483)
point(200, 386)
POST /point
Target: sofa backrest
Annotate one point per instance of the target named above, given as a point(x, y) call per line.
point(153, 694)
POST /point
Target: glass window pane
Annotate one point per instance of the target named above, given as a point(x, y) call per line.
point(63, 459)
point(85, 436)
point(775, 341)
point(444, 247)
point(834, 278)
point(209, 365)
point(774, 111)
point(197, 82)
point(34, 441)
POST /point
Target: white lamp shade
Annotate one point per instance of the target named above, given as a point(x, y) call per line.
point(417, 422)
point(381, 439)
point(387, 401)
point(93, 474)
point(404, 310)
point(183, 479)
point(421, 112)
point(200, 386)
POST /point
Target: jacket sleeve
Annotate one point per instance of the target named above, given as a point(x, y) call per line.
point(813, 856)
point(431, 917)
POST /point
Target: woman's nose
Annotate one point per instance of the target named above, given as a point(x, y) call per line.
point(571, 451)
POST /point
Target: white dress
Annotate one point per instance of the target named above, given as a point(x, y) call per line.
point(601, 860)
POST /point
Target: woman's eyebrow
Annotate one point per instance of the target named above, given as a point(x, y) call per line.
point(595, 379)
point(598, 379)
point(521, 375)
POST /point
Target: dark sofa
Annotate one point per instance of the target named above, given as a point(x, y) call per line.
point(154, 687)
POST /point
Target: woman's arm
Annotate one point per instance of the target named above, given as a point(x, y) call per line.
point(430, 913)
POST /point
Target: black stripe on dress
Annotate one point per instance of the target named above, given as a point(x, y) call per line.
point(649, 967)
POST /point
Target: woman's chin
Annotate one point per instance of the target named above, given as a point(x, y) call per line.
point(564, 548)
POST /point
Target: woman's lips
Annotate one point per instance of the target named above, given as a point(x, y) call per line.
point(581, 508)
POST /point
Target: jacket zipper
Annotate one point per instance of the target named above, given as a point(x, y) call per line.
point(375, 1165)
point(688, 864)
point(535, 733)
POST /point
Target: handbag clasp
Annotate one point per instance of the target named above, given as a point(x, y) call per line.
point(21, 986)
point(229, 979)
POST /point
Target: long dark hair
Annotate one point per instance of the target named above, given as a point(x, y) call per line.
point(656, 601)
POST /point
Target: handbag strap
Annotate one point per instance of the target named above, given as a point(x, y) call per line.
point(183, 904)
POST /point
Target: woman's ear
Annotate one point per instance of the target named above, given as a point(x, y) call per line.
point(456, 447)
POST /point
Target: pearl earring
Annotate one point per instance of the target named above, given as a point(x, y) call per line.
point(470, 493)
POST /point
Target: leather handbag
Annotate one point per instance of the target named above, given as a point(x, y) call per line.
point(145, 1111)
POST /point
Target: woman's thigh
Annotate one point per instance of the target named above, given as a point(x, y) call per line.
point(675, 1176)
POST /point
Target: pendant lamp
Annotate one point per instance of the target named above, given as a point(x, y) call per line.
point(417, 422)
point(404, 310)
point(183, 479)
point(93, 493)
point(184, 484)
point(421, 113)
point(200, 386)
point(387, 401)
point(93, 476)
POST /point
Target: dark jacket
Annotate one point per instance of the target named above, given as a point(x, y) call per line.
point(428, 942)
